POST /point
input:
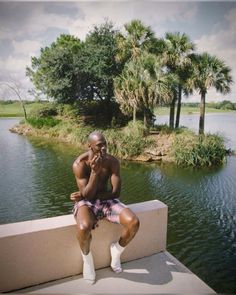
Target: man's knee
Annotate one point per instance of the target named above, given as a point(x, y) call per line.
point(132, 223)
point(84, 228)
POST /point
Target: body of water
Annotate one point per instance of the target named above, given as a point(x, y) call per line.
point(222, 123)
point(36, 180)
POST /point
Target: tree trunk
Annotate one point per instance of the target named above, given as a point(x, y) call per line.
point(134, 114)
point(202, 113)
point(172, 113)
point(145, 118)
point(178, 107)
point(109, 112)
point(23, 106)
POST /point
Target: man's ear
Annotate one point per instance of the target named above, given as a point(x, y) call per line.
point(89, 146)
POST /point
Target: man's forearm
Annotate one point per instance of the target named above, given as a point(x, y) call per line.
point(91, 187)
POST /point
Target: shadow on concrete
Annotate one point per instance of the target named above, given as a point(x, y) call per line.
point(153, 270)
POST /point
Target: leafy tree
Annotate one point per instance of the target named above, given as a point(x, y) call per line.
point(54, 72)
point(209, 71)
point(227, 105)
point(98, 63)
point(71, 71)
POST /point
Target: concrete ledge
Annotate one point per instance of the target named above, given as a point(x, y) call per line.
point(159, 273)
point(39, 251)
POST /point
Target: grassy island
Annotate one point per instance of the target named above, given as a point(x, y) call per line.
point(131, 142)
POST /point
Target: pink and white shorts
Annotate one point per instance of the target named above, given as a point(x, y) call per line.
point(109, 209)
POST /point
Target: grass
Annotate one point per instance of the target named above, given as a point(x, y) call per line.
point(14, 109)
point(190, 149)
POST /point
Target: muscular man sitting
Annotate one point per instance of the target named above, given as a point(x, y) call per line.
point(93, 171)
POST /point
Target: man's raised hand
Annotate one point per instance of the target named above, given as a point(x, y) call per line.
point(76, 196)
point(96, 163)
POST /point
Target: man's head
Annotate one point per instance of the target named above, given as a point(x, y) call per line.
point(97, 143)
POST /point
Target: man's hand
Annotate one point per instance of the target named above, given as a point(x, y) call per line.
point(76, 197)
point(96, 164)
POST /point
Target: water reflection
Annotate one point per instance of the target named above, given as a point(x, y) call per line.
point(36, 179)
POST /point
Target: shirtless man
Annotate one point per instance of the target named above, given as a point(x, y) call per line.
point(93, 170)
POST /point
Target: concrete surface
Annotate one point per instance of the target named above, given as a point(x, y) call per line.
point(38, 251)
point(158, 273)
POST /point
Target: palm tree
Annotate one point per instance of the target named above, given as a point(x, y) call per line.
point(136, 39)
point(126, 90)
point(209, 71)
point(176, 56)
point(142, 85)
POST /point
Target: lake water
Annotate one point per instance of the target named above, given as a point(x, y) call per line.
point(36, 180)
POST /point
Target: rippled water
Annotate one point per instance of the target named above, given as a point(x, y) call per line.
point(36, 180)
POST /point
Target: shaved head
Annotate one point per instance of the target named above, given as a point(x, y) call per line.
point(95, 135)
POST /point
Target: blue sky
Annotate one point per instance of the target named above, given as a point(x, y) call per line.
point(25, 27)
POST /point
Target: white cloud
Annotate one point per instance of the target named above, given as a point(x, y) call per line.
point(222, 44)
point(14, 64)
point(26, 47)
point(30, 25)
point(123, 12)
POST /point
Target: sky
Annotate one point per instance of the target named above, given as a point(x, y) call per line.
point(25, 27)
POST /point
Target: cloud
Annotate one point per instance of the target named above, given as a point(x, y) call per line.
point(25, 27)
point(26, 47)
point(120, 13)
point(222, 44)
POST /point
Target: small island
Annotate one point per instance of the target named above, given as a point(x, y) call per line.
point(131, 142)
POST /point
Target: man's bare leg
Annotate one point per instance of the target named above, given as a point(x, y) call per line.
point(130, 223)
point(85, 221)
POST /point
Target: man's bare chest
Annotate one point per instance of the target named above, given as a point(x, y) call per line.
point(103, 174)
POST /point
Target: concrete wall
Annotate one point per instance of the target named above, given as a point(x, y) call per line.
point(39, 251)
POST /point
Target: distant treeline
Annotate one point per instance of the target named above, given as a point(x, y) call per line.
point(223, 105)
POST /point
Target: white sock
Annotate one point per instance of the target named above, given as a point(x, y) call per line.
point(116, 250)
point(88, 268)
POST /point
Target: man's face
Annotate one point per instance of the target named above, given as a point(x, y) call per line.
point(99, 146)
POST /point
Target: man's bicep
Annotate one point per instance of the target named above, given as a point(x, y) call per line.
point(115, 183)
point(81, 183)
point(81, 179)
point(116, 179)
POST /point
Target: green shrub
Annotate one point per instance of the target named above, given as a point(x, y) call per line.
point(43, 122)
point(162, 128)
point(136, 129)
point(43, 111)
point(67, 110)
point(124, 144)
point(198, 150)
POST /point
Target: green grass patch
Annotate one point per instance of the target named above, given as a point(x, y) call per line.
point(190, 149)
point(14, 109)
point(43, 122)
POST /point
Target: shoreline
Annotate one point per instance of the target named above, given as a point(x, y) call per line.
point(159, 153)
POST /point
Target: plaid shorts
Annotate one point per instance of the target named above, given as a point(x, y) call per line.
point(109, 209)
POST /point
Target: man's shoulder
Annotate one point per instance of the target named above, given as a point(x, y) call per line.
point(113, 160)
point(81, 160)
